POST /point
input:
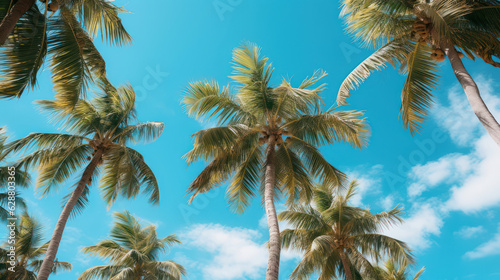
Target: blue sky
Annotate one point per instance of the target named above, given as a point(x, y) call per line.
point(446, 177)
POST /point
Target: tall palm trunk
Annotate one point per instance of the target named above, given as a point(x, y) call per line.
point(50, 256)
point(12, 17)
point(472, 91)
point(272, 218)
point(346, 265)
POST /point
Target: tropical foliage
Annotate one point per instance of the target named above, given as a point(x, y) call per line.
point(20, 179)
point(65, 37)
point(99, 133)
point(415, 35)
point(30, 249)
point(247, 145)
point(133, 252)
point(337, 239)
point(391, 271)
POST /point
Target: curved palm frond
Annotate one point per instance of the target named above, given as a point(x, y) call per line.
point(421, 78)
point(394, 53)
point(74, 59)
point(100, 16)
point(23, 55)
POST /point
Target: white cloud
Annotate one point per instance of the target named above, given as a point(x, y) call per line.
point(469, 232)
point(481, 189)
point(369, 182)
point(458, 118)
point(490, 248)
point(416, 231)
point(448, 169)
point(235, 253)
point(387, 202)
point(472, 177)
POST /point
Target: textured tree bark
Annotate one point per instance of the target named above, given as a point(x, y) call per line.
point(472, 92)
point(50, 256)
point(346, 265)
point(12, 17)
point(272, 218)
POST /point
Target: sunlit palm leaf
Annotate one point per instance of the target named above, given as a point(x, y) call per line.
point(101, 16)
point(74, 59)
point(421, 78)
point(393, 53)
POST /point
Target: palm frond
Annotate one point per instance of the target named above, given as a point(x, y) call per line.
point(394, 53)
point(125, 171)
point(23, 54)
point(207, 99)
point(74, 59)
point(246, 180)
point(145, 132)
point(101, 16)
point(421, 78)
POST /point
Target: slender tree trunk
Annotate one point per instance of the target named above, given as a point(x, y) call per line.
point(272, 218)
point(346, 265)
point(472, 92)
point(48, 261)
point(12, 17)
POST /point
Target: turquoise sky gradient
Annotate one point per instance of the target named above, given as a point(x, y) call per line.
point(446, 177)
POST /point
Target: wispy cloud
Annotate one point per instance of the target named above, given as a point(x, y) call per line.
point(424, 222)
point(489, 248)
point(469, 232)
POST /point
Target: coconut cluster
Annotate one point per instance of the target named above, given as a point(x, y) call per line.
point(421, 28)
point(53, 5)
point(422, 31)
point(278, 137)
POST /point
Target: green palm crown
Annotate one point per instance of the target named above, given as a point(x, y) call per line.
point(255, 117)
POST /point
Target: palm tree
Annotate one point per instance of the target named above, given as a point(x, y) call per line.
point(66, 37)
point(391, 271)
point(99, 131)
point(336, 238)
point(133, 251)
point(416, 34)
point(28, 253)
point(11, 179)
point(283, 168)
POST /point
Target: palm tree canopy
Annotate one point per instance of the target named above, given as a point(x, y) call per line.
point(133, 252)
point(10, 173)
point(392, 271)
point(255, 111)
point(330, 226)
point(30, 250)
point(106, 123)
point(66, 37)
point(409, 34)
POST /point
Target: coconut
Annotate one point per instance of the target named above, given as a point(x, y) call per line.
point(53, 6)
point(460, 55)
point(279, 141)
point(287, 133)
point(440, 58)
point(439, 51)
point(262, 141)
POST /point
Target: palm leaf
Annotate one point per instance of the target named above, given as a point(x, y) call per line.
point(420, 80)
point(24, 54)
point(393, 53)
point(101, 16)
point(74, 59)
